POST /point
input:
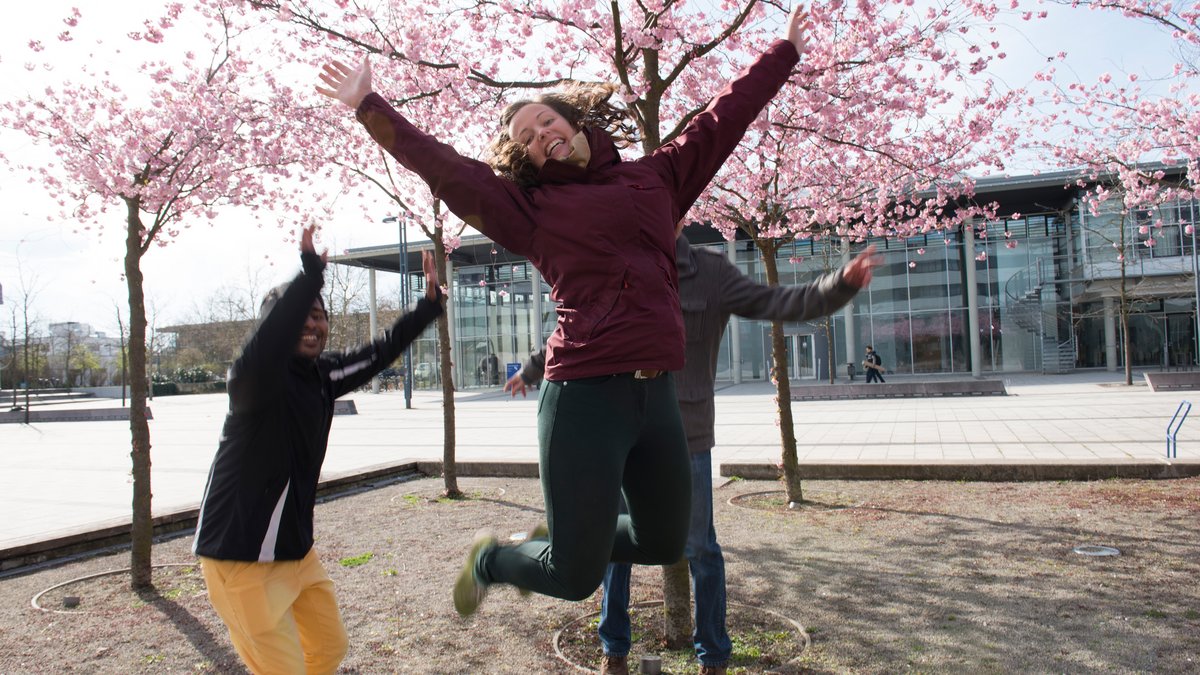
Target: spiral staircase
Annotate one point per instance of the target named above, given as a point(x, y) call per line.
point(1030, 302)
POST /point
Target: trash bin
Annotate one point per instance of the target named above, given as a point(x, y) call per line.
point(851, 370)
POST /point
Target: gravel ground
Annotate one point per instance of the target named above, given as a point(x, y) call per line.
point(884, 577)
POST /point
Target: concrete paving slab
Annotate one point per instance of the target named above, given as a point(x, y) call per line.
point(57, 477)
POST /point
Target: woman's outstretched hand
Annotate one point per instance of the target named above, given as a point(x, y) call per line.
point(348, 85)
point(798, 26)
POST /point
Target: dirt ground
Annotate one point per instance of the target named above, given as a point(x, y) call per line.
point(883, 577)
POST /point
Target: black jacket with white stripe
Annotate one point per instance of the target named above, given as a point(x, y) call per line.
point(258, 503)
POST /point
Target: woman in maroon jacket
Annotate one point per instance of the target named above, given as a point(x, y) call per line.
point(602, 232)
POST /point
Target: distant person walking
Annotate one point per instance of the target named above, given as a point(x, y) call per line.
point(254, 535)
point(873, 365)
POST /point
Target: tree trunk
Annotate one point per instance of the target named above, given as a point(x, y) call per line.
point(783, 388)
point(1123, 303)
point(677, 605)
point(449, 471)
point(1126, 347)
point(1124, 311)
point(143, 527)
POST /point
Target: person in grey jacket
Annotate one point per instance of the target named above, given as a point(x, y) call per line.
point(711, 289)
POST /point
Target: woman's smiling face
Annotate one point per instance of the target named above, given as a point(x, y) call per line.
point(544, 133)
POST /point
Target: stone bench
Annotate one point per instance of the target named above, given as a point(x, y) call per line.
point(345, 407)
point(830, 392)
point(43, 397)
point(81, 415)
point(1181, 381)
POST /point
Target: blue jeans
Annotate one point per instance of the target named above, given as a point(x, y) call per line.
point(707, 566)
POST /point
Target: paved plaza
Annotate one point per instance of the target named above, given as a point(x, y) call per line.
point(63, 477)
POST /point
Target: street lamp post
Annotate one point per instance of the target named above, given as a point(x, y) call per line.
point(401, 223)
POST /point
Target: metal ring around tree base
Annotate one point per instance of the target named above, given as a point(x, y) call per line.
point(34, 601)
point(652, 603)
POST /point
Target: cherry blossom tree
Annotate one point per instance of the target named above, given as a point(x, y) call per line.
point(1134, 138)
point(879, 103)
point(445, 58)
point(156, 152)
point(874, 138)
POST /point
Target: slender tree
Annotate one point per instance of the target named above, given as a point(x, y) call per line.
point(193, 139)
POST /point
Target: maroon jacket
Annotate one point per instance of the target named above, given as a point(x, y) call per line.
point(602, 236)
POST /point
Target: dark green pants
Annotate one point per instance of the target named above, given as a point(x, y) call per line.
point(599, 437)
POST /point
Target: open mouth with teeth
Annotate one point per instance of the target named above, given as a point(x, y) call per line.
point(311, 344)
point(554, 146)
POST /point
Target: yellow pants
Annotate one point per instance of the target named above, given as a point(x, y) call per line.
point(282, 616)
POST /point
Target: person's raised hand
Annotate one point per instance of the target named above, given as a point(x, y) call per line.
point(857, 272)
point(346, 84)
point(431, 275)
point(798, 26)
point(515, 385)
point(307, 245)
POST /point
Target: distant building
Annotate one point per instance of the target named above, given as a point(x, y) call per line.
point(80, 357)
point(1045, 294)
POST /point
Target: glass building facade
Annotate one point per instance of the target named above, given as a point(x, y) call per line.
point(1047, 296)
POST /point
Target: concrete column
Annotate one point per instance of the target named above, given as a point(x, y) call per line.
point(848, 316)
point(451, 324)
point(972, 300)
point(1110, 335)
point(538, 340)
point(374, 321)
point(735, 325)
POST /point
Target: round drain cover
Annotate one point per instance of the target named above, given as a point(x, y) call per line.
point(1096, 550)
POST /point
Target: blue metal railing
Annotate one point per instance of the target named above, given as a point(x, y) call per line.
point(1172, 445)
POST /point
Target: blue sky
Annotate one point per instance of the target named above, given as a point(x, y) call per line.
point(78, 276)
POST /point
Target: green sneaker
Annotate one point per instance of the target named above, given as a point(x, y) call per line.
point(539, 531)
point(468, 590)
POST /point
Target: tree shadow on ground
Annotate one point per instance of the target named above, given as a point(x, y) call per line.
point(213, 649)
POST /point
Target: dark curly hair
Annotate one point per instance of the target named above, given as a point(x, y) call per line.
point(581, 105)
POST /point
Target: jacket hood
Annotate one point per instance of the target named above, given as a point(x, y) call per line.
point(604, 154)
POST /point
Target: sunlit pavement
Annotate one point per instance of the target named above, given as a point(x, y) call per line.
point(61, 477)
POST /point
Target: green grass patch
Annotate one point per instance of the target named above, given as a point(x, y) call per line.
point(357, 560)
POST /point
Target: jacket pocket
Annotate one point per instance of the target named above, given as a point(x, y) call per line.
point(579, 325)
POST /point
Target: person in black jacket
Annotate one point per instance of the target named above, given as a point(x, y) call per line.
point(254, 534)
